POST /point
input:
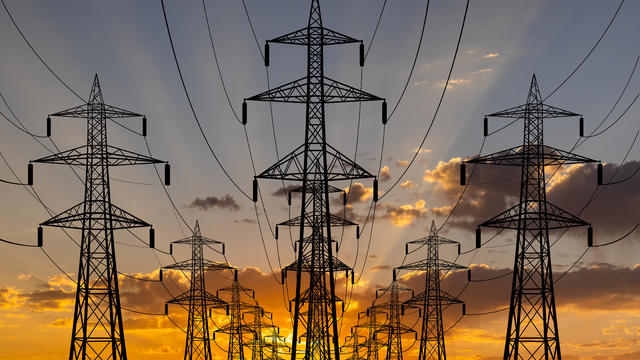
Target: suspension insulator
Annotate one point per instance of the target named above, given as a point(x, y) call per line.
point(223, 248)
point(213, 334)
point(48, 126)
point(167, 174)
point(244, 113)
point(384, 113)
point(166, 309)
point(289, 198)
point(170, 249)
point(375, 190)
point(343, 306)
point(357, 231)
point(600, 174)
point(464, 309)
point(459, 249)
point(144, 126)
point(344, 198)
point(463, 174)
point(469, 274)
point(152, 238)
point(353, 278)
point(478, 238)
point(266, 54)
point(361, 54)
point(402, 310)
point(40, 236)
point(30, 174)
point(590, 236)
point(276, 232)
point(282, 276)
point(486, 126)
point(394, 275)
point(160, 275)
point(255, 190)
point(581, 126)
point(406, 249)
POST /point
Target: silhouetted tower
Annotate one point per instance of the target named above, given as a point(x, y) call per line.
point(97, 318)
point(432, 299)
point(353, 345)
point(315, 163)
point(236, 328)
point(273, 346)
point(371, 325)
point(197, 299)
point(394, 329)
point(259, 325)
point(532, 331)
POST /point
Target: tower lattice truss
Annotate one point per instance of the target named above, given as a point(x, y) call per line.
point(97, 330)
point(315, 163)
point(431, 301)
point(242, 334)
point(532, 331)
point(197, 299)
point(392, 331)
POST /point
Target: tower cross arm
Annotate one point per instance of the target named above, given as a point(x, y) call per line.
point(519, 156)
point(301, 37)
point(94, 109)
point(296, 92)
point(539, 215)
point(536, 109)
point(115, 156)
point(444, 265)
point(76, 216)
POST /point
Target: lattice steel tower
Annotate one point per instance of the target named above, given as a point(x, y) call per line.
point(97, 318)
point(315, 163)
point(197, 299)
point(432, 299)
point(236, 328)
point(274, 343)
point(394, 329)
point(532, 331)
point(371, 325)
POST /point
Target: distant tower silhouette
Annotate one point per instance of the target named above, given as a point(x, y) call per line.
point(236, 328)
point(315, 163)
point(371, 325)
point(273, 344)
point(197, 299)
point(532, 331)
point(97, 332)
point(394, 329)
point(431, 300)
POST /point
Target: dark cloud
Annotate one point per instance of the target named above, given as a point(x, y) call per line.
point(284, 191)
point(493, 189)
point(225, 202)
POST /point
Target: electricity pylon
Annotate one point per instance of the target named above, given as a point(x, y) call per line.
point(432, 299)
point(259, 326)
point(532, 331)
point(315, 163)
point(393, 328)
point(371, 325)
point(97, 331)
point(236, 328)
point(197, 299)
point(353, 345)
point(273, 344)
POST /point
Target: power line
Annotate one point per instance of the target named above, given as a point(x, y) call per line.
point(193, 111)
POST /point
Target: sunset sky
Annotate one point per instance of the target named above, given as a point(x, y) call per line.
point(504, 43)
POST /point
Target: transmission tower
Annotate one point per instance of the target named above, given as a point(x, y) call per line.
point(432, 299)
point(353, 345)
point(197, 299)
point(371, 325)
point(532, 331)
point(258, 325)
point(274, 344)
point(97, 332)
point(236, 328)
point(394, 329)
point(315, 163)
